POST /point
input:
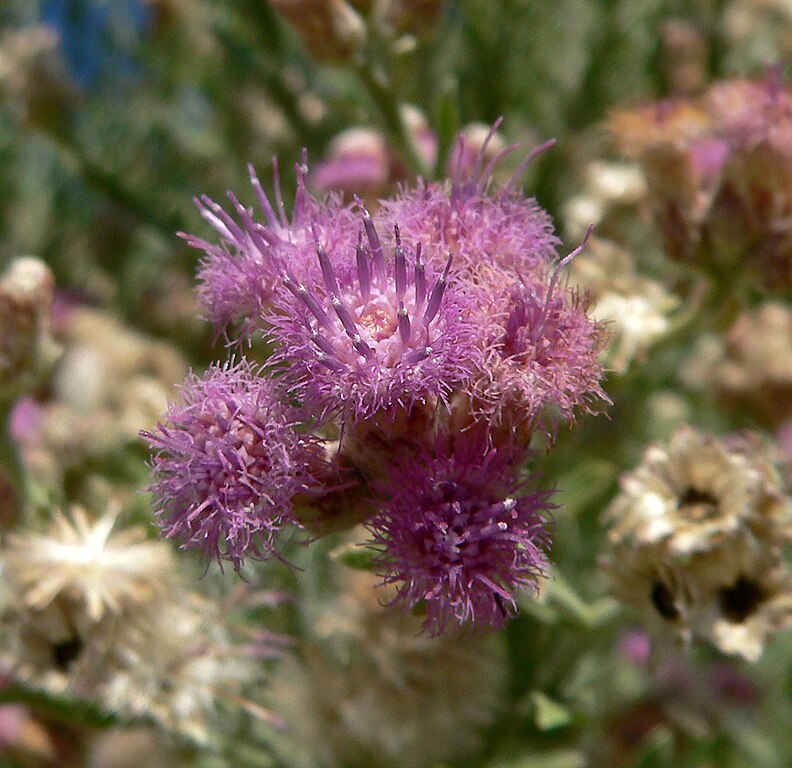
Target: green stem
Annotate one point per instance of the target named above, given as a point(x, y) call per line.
point(10, 459)
point(379, 89)
point(65, 710)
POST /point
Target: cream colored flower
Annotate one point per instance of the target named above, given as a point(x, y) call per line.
point(698, 533)
point(697, 491)
point(86, 563)
point(635, 309)
point(101, 615)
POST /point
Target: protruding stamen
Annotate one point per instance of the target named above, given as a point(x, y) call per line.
point(400, 267)
point(562, 264)
point(345, 316)
point(263, 200)
point(420, 280)
point(363, 348)
point(524, 164)
point(328, 273)
point(324, 344)
point(278, 195)
point(437, 294)
point(331, 363)
point(374, 244)
point(418, 355)
point(404, 323)
point(364, 276)
point(482, 151)
point(302, 293)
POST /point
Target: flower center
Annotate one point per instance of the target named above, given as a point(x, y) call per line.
point(698, 506)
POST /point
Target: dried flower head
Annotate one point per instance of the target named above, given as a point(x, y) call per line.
point(698, 535)
point(84, 562)
point(697, 491)
point(459, 534)
point(229, 462)
point(102, 616)
point(26, 347)
point(753, 371)
point(718, 174)
point(373, 334)
point(635, 309)
point(331, 30)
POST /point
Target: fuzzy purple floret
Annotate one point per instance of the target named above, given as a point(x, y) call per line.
point(239, 277)
point(499, 229)
point(373, 334)
point(228, 463)
point(542, 354)
point(460, 535)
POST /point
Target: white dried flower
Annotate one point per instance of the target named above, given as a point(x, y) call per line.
point(695, 492)
point(698, 534)
point(635, 309)
point(86, 563)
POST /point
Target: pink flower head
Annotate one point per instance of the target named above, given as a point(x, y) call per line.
point(500, 230)
point(229, 462)
point(542, 356)
point(459, 534)
point(239, 277)
point(372, 334)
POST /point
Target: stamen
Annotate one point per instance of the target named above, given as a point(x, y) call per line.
point(375, 245)
point(364, 275)
point(404, 323)
point(418, 355)
point(400, 267)
point(328, 273)
point(420, 280)
point(263, 200)
point(302, 293)
point(524, 164)
point(278, 195)
point(483, 149)
point(345, 316)
point(437, 294)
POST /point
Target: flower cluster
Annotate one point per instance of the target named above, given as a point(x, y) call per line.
point(718, 171)
point(698, 534)
point(417, 349)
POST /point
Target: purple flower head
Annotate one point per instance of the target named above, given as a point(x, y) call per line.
point(229, 462)
point(372, 335)
point(459, 534)
point(239, 277)
point(485, 230)
point(543, 354)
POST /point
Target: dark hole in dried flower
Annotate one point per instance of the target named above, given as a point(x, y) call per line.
point(663, 601)
point(698, 505)
point(66, 653)
point(740, 600)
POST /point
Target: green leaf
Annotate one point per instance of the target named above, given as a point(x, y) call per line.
point(357, 556)
point(549, 714)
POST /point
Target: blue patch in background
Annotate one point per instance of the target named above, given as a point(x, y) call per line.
point(98, 38)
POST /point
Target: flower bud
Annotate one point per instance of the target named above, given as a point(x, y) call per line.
point(331, 30)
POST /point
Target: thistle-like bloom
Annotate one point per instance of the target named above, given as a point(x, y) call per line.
point(373, 335)
point(239, 278)
point(459, 534)
point(542, 353)
point(229, 463)
point(541, 347)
